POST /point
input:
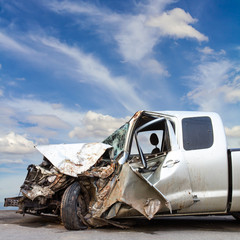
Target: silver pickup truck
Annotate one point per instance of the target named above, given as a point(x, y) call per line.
point(157, 164)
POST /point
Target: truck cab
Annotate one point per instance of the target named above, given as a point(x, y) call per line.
point(197, 167)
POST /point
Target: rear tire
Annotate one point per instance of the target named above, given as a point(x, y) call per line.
point(71, 207)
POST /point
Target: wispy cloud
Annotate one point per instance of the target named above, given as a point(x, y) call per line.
point(217, 83)
point(10, 44)
point(98, 126)
point(176, 23)
point(210, 78)
point(72, 7)
point(207, 53)
point(92, 71)
point(131, 33)
point(136, 34)
point(32, 117)
point(134, 40)
point(76, 64)
point(47, 121)
point(215, 86)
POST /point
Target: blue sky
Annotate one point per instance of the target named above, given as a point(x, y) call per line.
point(74, 71)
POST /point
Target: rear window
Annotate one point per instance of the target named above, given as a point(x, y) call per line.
point(197, 133)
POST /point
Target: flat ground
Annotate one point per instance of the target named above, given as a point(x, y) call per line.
point(15, 226)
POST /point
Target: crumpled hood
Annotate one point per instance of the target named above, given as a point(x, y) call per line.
point(73, 159)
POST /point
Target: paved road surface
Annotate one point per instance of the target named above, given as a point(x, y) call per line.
point(16, 227)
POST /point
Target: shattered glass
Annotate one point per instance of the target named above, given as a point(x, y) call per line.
point(117, 139)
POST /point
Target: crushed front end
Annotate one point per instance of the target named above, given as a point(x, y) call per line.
point(44, 185)
point(90, 185)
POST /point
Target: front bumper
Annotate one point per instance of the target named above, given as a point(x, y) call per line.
point(12, 202)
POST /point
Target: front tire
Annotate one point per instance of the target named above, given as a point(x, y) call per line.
point(71, 206)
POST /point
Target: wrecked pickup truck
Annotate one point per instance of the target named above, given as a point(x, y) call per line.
point(157, 164)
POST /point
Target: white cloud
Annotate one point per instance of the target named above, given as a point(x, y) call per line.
point(176, 23)
point(17, 144)
point(136, 34)
point(206, 50)
point(233, 132)
point(47, 121)
point(134, 39)
point(97, 126)
point(1, 93)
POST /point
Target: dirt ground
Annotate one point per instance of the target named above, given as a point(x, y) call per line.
point(15, 226)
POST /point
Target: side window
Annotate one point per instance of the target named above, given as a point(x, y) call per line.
point(197, 133)
point(145, 143)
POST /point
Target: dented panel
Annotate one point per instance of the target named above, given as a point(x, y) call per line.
point(73, 159)
point(129, 189)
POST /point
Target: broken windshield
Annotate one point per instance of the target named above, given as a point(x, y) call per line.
point(117, 139)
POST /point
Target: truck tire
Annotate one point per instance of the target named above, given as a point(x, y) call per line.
point(71, 207)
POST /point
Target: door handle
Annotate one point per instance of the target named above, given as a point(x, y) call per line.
point(170, 163)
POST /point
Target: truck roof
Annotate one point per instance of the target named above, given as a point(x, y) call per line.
point(183, 114)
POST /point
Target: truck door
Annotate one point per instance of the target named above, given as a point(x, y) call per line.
point(204, 149)
point(166, 171)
